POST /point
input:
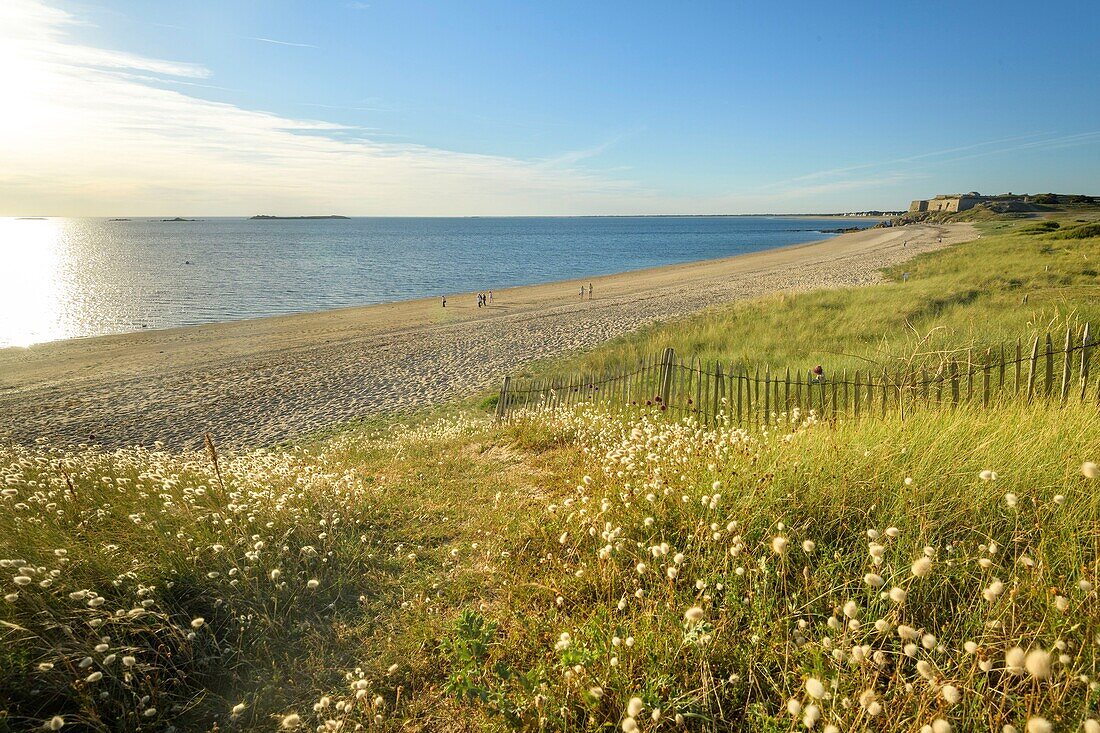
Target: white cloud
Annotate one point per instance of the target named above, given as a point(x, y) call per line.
point(95, 132)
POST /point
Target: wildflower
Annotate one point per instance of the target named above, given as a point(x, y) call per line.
point(921, 567)
point(851, 610)
point(596, 691)
point(951, 694)
point(993, 591)
point(21, 580)
point(809, 546)
point(794, 707)
point(629, 725)
point(988, 475)
point(56, 723)
point(1011, 499)
point(634, 707)
point(313, 583)
point(129, 661)
point(1090, 470)
point(290, 722)
point(1037, 663)
point(814, 688)
point(1091, 725)
point(779, 545)
point(564, 640)
point(939, 725)
point(94, 677)
point(641, 568)
point(874, 580)
point(897, 595)
point(392, 669)
point(1085, 586)
point(238, 708)
point(149, 712)
point(196, 623)
point(1038, 724)
point(1014, 660)
point(693, 615)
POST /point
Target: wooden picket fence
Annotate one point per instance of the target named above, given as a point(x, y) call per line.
point(712, 391)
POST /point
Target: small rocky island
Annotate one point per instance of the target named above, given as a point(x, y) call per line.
point(179, 218)
point(268, 217)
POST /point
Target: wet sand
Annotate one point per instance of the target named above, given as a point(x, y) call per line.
point(265, 380)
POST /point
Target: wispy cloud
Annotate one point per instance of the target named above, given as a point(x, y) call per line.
point(103, 132)
point(280, 43)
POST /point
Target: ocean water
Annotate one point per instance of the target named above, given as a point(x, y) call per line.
point(72, 278)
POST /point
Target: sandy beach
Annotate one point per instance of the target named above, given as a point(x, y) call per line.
point(266, 380)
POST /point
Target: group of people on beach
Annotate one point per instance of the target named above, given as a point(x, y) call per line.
point(484, 300)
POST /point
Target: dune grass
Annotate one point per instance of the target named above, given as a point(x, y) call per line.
point(1010, 284)
point(582, 570)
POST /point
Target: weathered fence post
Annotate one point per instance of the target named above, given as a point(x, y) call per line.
point(1031, 369)
point(1048, 383)
point(665, 388)
point(1067, 365)
point(502, 399)
point(1086, 346)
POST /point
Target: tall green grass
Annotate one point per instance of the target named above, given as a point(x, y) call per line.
point(1005, 286)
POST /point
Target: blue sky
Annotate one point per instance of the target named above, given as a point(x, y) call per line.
point(558, 107)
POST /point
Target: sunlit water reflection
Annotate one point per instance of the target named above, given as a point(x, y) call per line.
point(69, 278)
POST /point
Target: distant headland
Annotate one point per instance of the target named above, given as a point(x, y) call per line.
point(269, 217)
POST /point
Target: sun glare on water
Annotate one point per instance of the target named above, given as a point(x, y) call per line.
point(30, 283)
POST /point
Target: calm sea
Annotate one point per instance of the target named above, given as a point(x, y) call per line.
point(70, 278)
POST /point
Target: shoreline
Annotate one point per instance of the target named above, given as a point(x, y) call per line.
point(262, 380)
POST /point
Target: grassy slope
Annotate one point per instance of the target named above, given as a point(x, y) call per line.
point(972, 295)
point(405, 528)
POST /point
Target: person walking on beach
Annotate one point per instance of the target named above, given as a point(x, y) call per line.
point(590, 291)
point(444, 298)
point(490, 297)
point(480, 299)
point(582, 292)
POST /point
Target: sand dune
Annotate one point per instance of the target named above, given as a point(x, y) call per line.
point(266, 380)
